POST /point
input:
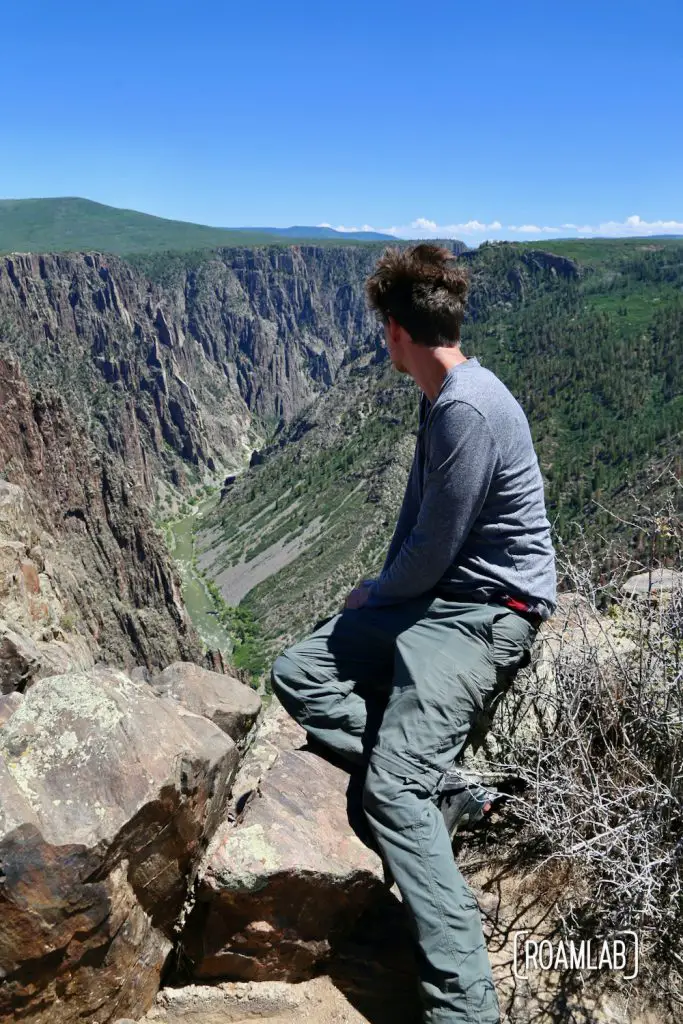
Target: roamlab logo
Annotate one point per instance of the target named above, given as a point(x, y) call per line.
point(618, 952)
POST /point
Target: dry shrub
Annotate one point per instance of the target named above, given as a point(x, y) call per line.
point(604, 764)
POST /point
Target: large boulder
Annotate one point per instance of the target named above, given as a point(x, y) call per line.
point(108, 796)
point(231, 705)
point(289, 877)
point(277, 732)
point(653, 584)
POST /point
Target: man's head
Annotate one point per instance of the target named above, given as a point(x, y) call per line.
point(419, 294)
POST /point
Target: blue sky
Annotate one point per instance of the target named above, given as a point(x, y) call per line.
point(476, 120)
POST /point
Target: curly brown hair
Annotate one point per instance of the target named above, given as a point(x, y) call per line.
point(424, 289)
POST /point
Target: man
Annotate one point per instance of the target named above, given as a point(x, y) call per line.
point(394, 682)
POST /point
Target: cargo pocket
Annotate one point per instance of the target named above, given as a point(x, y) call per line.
point(512, 637)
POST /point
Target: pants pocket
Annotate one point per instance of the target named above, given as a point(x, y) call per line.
point(511, 638)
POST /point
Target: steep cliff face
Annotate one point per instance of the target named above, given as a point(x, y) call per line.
point(278, 321)
point(80, 555)
point(126, 380)
point(182, 362)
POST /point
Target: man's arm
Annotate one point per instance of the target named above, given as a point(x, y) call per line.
point(462, 455)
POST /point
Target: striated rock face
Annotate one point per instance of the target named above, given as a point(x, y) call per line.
point(101, 832)
point(83, 572)
point(289, 878)
point(171, 372)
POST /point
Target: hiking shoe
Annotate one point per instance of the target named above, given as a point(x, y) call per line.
point(466, 803)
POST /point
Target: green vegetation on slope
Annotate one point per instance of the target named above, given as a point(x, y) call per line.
point(329, 498)
point(597, 365)
point(248, 650)
point(594, 251)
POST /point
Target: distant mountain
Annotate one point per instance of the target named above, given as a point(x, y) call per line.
point(80, 225)
point(322, 232)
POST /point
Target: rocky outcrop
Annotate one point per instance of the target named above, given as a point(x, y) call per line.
point(232, 1001)
point(229, 704)
point(101, 832)
point(557, 266)
point(285, 881)
point(23, 660)
point(653, 585)
point(318, 1001)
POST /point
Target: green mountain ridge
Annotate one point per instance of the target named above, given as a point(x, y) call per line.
point(72, 224)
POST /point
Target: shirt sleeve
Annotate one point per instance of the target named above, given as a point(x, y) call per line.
point(461, 459)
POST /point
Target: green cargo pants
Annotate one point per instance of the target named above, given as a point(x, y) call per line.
point(398, 688)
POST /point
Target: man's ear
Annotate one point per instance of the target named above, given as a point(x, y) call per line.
point(394, 329)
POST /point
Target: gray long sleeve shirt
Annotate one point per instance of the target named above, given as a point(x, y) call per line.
point(473, 517)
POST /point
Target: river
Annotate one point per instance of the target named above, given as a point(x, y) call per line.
point(197, 598)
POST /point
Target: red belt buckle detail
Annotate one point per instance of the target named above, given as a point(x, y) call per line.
point(518, 606)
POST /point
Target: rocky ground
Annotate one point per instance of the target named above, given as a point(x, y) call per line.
point(172, 851)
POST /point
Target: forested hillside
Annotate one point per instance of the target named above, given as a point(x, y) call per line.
point(597, 364)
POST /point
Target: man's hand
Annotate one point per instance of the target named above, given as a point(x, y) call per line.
point(359, 595)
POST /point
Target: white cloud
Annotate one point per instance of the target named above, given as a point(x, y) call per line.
point(425, 225)
point(632, 226)
point(477, 231)
point(341, 227)
point(421, 227)
point(532, 229)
